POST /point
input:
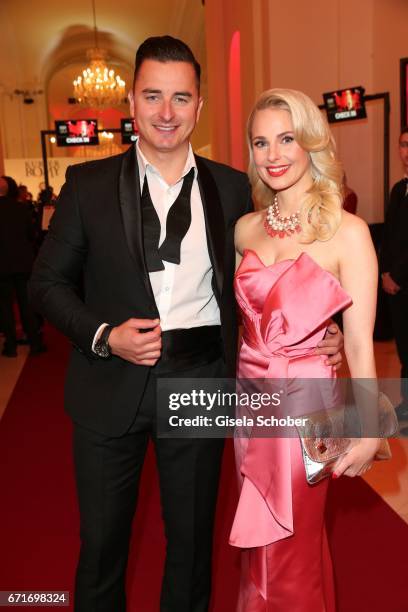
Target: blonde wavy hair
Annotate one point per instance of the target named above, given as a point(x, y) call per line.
point(321, 205)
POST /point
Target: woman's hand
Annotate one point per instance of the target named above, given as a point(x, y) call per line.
point(358, 459)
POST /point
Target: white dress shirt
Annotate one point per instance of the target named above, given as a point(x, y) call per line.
point(183, 292)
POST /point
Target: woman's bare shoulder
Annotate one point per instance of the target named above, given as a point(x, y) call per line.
point(250, 218)
point(245, 227)
point(248, 222)
point(352, 242)
point(351, 228)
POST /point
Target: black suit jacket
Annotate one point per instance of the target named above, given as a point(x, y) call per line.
point(17, 235)
point(91, 269)
point(394, 249)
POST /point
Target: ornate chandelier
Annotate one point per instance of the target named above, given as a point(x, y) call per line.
point(98, 86)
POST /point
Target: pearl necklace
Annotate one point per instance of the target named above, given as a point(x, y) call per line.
point(275, 225)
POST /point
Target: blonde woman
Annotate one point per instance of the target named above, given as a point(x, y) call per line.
point(300, 259)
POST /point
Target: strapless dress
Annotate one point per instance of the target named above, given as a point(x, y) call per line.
point(279, 520)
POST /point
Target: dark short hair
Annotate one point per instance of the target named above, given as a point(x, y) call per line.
point(166, 49)
point(12, 190)
point(404, 131)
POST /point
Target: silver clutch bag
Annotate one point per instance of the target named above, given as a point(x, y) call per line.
point(322, 443)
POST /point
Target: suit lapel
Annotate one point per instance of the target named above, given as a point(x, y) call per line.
point(214, 220)
point(129, 197)
point(130, 205)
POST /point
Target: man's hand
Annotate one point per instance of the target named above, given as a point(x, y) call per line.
point(388, 284)
point(130, 343)
point(332, 345)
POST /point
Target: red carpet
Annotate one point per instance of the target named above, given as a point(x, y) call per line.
point(39, 519)
point(369, 544)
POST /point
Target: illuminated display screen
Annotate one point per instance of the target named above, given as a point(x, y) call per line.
point(78, 132)
point(128, 131)
point(345, 104)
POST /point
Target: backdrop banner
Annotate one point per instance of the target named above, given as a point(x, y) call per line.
point(30, 171)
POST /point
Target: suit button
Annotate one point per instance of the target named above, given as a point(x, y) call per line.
point(152, 309)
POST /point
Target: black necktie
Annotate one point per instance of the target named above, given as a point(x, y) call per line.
point(177, 224)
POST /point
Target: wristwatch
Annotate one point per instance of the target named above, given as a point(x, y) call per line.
point(102, 348)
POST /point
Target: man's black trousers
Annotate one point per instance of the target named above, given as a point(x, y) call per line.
point(108, 473)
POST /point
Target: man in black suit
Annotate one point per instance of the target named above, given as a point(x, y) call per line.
point(150, 233)
point(17, 238)
point(394, 268)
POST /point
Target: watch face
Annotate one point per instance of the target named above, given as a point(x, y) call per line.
point(102, 350)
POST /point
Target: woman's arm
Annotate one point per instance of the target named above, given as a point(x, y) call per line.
point(359, 276)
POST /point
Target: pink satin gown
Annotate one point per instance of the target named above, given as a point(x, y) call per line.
point(279, 521)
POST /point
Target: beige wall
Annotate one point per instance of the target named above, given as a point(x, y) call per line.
point(390, 44)
point(315, 46)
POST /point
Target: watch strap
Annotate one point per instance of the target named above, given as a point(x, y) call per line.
point(104, 337)
point(102, 348)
